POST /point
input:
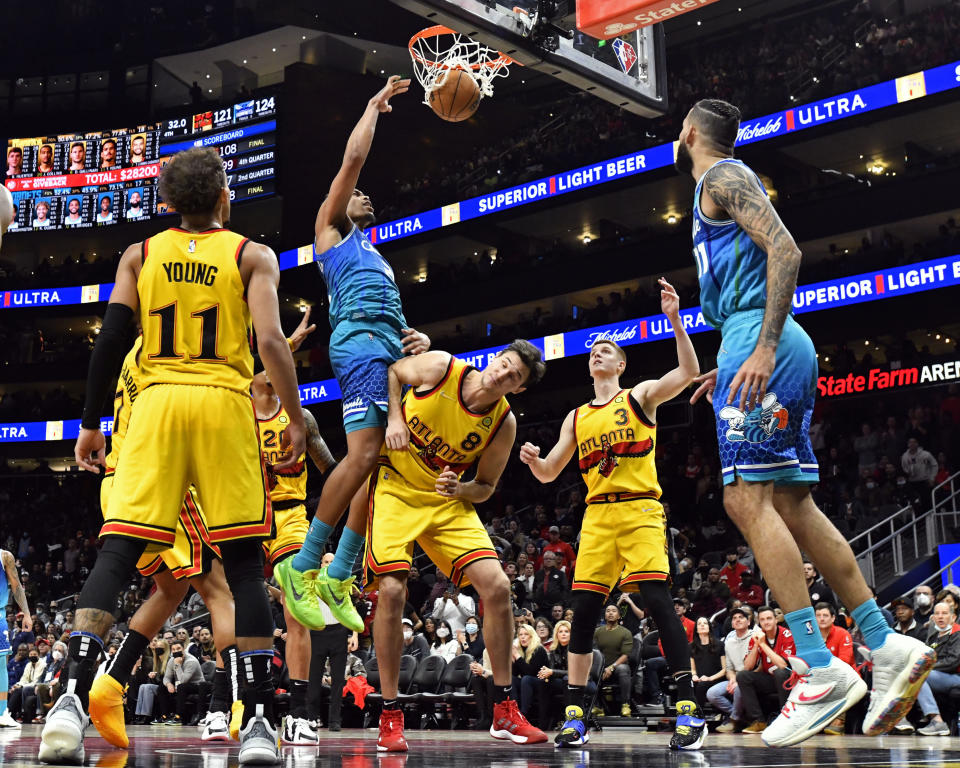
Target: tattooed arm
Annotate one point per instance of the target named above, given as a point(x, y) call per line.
point(16, 588)
point(735, 189)
point(316, 446)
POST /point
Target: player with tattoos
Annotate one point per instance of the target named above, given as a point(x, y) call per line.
point(763, 393)
point(9, 582)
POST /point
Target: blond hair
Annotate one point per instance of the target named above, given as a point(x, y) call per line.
point(532, 646)
point(562, 623)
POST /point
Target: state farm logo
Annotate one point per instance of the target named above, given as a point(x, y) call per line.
point(614, 334)
point(758, 129)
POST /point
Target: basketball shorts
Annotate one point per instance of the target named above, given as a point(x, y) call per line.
point(192, 552)
point(4, 639)
point(292, 527)
point(360, 355)
point(400, 514)
point(182, 435)
point(622, 541)
point(771, 442)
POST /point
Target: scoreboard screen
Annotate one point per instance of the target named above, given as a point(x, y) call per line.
point(68, 181)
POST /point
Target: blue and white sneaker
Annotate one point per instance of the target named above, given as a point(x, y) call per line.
point(573, 732)
point(691, 727)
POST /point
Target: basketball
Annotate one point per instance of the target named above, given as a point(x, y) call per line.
point(456, 95)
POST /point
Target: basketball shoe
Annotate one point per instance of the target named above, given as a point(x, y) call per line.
point(818, 696)
point(61, 740)
point(106, 710)
point(214, 727)
point(509, 723)
point(573, 732)
point(299, 732)
point(236, 719)
point(900, 666)
point(391, 731)
point(301, 591)
point(7, 721)
point(691, 727)
point(259, 744)
point(336, 594)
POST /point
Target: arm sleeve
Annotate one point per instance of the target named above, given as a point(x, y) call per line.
point(105, 361)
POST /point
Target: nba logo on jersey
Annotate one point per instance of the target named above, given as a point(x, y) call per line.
point(626, 54)
point(192, 246)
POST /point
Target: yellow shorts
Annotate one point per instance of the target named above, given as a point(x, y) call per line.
point(400, 514)
point(192, 551)
point(624, 541)
point(292, 527)
point(181, 435)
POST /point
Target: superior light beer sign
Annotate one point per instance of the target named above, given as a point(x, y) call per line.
point(877, 379)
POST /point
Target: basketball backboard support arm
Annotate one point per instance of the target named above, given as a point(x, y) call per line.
point(542, 45)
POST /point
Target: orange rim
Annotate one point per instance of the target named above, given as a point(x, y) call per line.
point(440, 29)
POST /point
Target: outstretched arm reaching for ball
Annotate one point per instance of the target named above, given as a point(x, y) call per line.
point(547, 469)
point(332, 223)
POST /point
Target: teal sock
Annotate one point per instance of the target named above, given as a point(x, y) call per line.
point(312, 550)
point(346, 555)
point(806, 634)
point(3, 706)
point(872, 624)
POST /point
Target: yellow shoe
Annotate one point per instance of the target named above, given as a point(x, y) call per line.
point(106, 710)
point(236, 719)
point(625, 711)
point(758, 726)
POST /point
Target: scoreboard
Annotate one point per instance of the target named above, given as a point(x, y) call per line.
point(73, 181)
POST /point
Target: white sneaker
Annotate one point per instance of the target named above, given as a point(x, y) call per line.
point(215, 727)
point(259, 744)
point(62, 738)
point(300, 732)
point(904, 727)
point(7, 721)
point(900, 666)
point(819, 696)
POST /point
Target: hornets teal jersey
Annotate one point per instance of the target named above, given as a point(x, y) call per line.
point(731, 268)
point(360, 283)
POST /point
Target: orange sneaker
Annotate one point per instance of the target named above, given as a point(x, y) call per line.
point(106, 710)
point(391, 732)
point(509, 723)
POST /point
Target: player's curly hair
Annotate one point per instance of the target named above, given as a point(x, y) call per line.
point(530, 356)
point(191, 182)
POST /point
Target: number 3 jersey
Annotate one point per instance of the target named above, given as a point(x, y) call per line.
point(443, 432)
point(290, 483)
point(193, 311)
point(615, 444)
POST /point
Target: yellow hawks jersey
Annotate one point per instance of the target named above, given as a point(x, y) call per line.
point(128, 387)
point(443, 431)
point(195, 319)
point(290, 483)
point(615, 442)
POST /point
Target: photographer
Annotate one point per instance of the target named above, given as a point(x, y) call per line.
point(454, 608)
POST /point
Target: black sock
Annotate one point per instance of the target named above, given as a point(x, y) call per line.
point(255, 668)
point(298, 698)
point(220, 698)
point(577, 695)
point(684, 681)
point(125, 658)
point(84, 649)
point(501, 693)
point(390, 704)
point(231, 666)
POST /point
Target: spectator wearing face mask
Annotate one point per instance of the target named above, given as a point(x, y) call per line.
point(32, 674)
point(414, 643)
point(470, 640)
point(38, 701)
point(445, 644)
point(923, 606)
point(183, 677)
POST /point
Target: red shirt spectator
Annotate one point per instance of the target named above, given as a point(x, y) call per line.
point(749, 593)
point(732, 572)
point(783, 646)
point(838, 640)
point(565, 554)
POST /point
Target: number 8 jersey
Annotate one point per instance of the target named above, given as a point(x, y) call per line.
point(193, 311)
point(443, 432)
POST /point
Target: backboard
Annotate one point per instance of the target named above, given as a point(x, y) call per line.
point(629, 71)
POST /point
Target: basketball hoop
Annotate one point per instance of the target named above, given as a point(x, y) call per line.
point(439, 49)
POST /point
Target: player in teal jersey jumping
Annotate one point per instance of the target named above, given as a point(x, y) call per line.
point(369, 333)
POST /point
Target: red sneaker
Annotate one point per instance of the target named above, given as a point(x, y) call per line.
point(509, 723)
point(391, 732)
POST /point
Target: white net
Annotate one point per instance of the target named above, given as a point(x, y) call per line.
point(438, 50)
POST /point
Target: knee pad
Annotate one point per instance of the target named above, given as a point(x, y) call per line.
point(243, 567)
point(587, 607)
point(116, 561)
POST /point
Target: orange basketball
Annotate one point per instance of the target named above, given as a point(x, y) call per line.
point(456, 95)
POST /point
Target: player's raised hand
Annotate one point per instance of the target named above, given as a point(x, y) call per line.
point(752, 378)
point(396, 436)
point(529, 453)
point(394, 87)
point(669, 300)
point(302, 331)
point(293, 443)
point(448, 483)
point(415, 342)
point(707, 382)
point(89, 449)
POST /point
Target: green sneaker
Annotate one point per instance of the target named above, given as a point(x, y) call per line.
point(336, 594)
point(300, 591)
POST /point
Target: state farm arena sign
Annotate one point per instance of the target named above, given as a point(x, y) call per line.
point(878, 379)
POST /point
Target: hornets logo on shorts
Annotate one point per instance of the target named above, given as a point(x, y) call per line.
point(758, 425)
